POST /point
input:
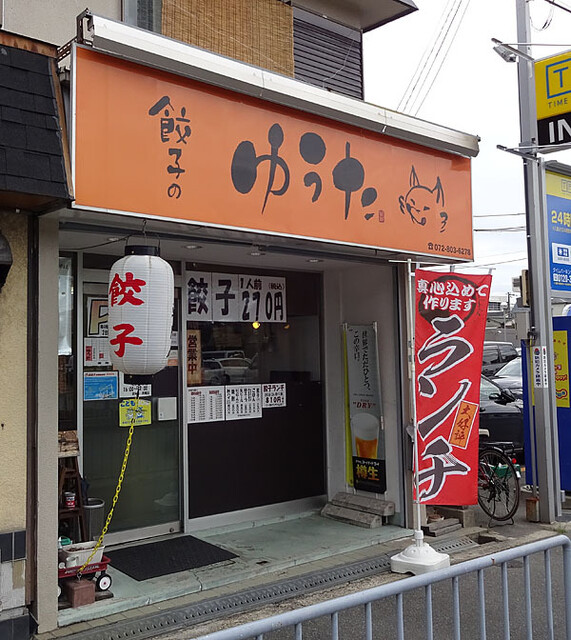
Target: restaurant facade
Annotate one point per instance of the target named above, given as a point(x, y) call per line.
point(287, 212)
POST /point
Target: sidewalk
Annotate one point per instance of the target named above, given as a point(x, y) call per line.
point(283, 562)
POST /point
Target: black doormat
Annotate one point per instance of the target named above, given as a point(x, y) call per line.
point(154, 559)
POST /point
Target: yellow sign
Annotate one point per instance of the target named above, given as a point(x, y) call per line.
point(558, 185)
point(561, 368)
point(553, 85)
point(463, 424)
point(135, 410)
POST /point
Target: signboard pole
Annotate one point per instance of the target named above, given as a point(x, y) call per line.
point(419, 557)
point(410, 320)
point(541, 333)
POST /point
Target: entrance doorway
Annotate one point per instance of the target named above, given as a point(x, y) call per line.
point(150, 501)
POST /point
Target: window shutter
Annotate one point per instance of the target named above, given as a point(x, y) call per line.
point(327, 54)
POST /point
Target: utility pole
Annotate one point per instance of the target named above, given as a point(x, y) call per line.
point(541, 332)
point(504, 308)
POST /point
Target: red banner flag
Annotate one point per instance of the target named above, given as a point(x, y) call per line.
point(450, 323)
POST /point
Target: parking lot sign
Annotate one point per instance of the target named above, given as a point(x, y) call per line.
point(553, 100)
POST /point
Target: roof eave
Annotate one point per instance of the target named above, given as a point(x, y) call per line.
point(150, 49)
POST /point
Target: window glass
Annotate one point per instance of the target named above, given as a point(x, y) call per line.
point(507, 352)
point(66, 362)
point(487, 388)
point(490, 355)
point(512, 368)
point(254, 453)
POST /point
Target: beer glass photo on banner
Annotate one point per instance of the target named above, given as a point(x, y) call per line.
point(366, 468)
point(450, 322)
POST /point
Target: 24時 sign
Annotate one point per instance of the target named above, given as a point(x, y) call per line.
point(558, 201)
point(155, 144)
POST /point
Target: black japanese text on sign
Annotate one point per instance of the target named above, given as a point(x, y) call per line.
point(228, 297)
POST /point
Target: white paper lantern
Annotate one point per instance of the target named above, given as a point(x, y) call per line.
point(140, 298)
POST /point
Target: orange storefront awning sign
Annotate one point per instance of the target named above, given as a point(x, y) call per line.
point(155, 144)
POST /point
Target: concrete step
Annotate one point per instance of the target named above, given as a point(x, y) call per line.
point(352, 516)
point(362, 511)
point(441, 527)
point(466, 515)
point(367, 504)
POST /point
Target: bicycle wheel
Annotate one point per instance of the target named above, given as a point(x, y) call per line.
point(498, 485)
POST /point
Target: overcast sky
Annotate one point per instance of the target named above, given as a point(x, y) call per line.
point(475, 91)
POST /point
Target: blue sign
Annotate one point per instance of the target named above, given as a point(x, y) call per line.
point(100, 385)
point(558, 199)
point(560, 323)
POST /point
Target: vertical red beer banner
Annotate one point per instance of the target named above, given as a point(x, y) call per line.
point(450, 323)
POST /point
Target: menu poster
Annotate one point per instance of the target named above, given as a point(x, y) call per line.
point(96, 352)
point(205, 404)
point(273, 395)
point(243, 401)
point(225, 297)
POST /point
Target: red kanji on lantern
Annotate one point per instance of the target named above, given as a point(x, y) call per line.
point(123, 338)
point(141, 297)
point(123, 291)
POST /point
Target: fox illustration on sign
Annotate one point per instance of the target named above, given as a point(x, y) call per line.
point(422, 202)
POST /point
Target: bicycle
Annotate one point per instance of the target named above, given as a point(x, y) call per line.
point(498, 482)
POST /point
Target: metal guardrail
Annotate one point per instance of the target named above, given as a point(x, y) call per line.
point(398, 588)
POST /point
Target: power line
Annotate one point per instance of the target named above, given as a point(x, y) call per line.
point(547, 22)
point(489, 264)
point(498, 215)
point(413, 99)
point(445, 55)
point(415, 79)
point(559, 6)
point(490, 229)
point(496, 262)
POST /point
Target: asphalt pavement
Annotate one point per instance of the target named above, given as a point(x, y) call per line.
point(342, 574)
point(491, 538)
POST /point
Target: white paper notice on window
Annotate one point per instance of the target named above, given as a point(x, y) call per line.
point(130, 390)
point(205, 404)
point(243, 401)
point(274, 395)
point(96, 352)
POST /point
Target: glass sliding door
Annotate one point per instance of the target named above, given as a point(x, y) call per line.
point(150, 494)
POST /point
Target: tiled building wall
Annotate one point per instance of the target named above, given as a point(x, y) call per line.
point(14, 620)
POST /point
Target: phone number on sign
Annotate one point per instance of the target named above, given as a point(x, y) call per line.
point(461, 251)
